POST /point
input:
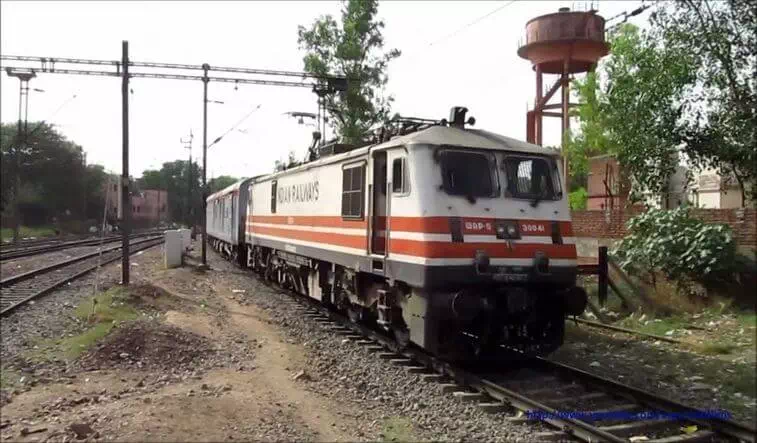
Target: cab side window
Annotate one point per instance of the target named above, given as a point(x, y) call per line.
point(399, 176)
point(352, 191)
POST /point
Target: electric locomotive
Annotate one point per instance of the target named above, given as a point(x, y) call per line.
point(455, 239)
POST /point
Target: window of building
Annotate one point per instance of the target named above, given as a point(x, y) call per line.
point(273, 197)
point(352, 191)
point(399, 176)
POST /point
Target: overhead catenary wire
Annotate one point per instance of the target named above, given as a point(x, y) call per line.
point(233, 127)
point(459, 30)
point(626, 15)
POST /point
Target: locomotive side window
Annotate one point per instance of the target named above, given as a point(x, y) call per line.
point(469, 174)
point(273, 197)
point(399, 176)
point(352, 191)
point(530, 177)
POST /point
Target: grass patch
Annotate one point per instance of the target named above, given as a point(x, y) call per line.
point(8, 378)
point(101, 314)
point(747, 320)
point(657, 326)
point(27, 231)
point(397, 429)
point(716, 348)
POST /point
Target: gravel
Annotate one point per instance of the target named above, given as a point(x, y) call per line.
point(20, 265)
point(50, 316)
point(348, 372)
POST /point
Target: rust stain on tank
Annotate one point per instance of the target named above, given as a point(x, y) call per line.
point(551, 39)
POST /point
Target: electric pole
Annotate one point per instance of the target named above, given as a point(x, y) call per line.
point(125, 198)
point(188, 145)
point(205, 80)
point(21, 140)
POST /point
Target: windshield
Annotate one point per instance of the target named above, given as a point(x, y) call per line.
point(469, 174)
point(530, 177)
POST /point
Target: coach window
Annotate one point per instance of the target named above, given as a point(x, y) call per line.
point(273, 197)
point(399, 176)
point(352, 191)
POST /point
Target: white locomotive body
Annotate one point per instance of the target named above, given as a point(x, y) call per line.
point(458, 240)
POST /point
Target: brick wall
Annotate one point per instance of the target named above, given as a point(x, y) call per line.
point(611, 224)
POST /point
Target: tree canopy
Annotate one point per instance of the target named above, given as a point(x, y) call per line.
point(631, 107)
point(352, 48)
point(685, 86)
point(217, 183)
point(55, 179)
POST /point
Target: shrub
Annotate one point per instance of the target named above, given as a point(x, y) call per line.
point(679, 247)
point(577, 199)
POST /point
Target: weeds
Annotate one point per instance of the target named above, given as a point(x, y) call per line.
point(101, 314)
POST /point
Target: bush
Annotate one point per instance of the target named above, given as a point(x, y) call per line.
point(679, 247)
point(578, 199)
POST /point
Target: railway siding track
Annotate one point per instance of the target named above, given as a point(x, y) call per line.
point(20, 289)
point(547, 392)
point(26, 250)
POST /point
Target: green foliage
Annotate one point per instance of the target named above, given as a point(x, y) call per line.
point(686, 84)
point(220, 182)
point(680, 247)
point(578, 199)
point(281, 165)
point(55, 179)
point(721, 128)
point(354, 49)
point(27, 232)
point(632, 108)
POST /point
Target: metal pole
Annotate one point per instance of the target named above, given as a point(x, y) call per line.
point(125, 200)
point(205, 68)
point(21, 141)
point(565, 80)
point(189, 191)
point(539, 119)
point(17, 172)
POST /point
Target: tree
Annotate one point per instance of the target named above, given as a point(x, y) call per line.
point(220, 182)
point(632, 107)
point(53, 173)
point(353, 49)
point(722, 37)
point(280, 165)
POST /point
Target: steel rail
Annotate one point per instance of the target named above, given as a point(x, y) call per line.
point(43, 249)
point(727, 427)
point(10, 287)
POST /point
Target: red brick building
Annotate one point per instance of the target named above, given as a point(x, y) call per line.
point(606, 189)
point(149, 207)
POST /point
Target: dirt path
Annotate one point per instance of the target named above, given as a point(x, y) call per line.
point(252, 394)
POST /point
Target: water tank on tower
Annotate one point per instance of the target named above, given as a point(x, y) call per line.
point(563, 43)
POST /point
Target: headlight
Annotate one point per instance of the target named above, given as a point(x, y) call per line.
point(512, 231)
point(507, 230)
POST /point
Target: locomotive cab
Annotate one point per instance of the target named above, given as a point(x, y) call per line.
point(491, 263)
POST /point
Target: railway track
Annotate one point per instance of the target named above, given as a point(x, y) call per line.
point(20, 289)
point(26, 250)
point(579, 405)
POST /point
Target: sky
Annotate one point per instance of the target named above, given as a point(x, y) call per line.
point(451, 56)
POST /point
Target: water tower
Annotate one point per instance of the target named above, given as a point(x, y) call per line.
point(564, 43)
